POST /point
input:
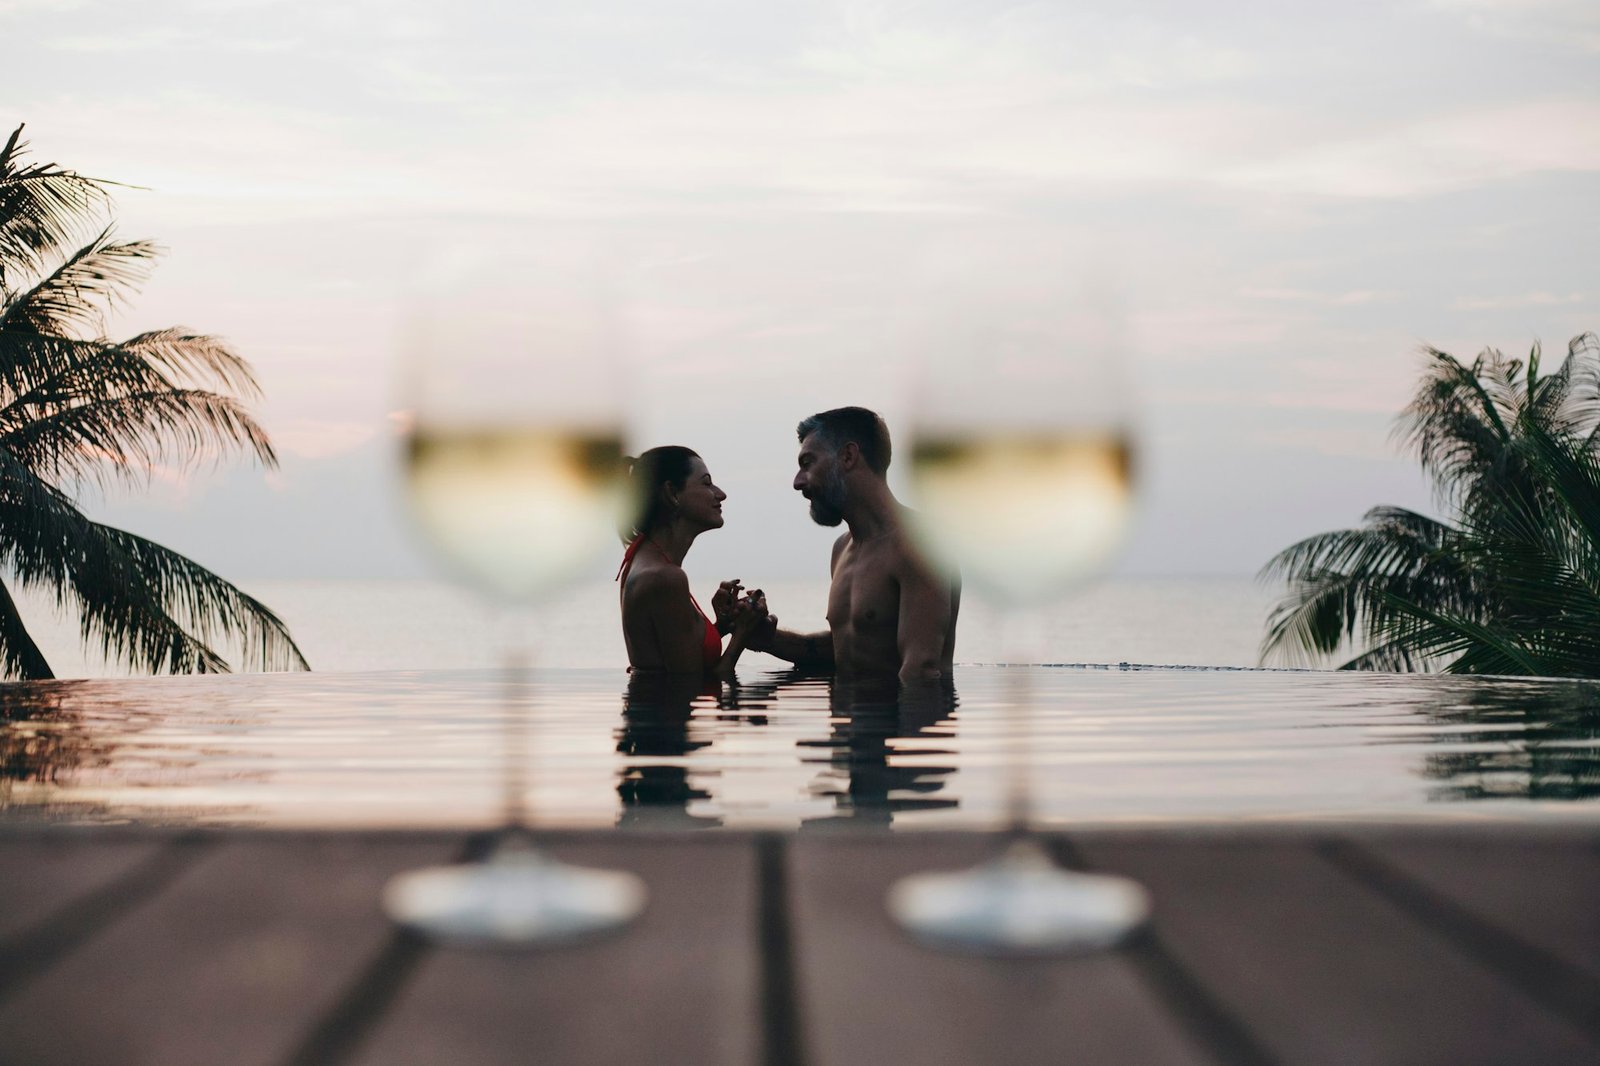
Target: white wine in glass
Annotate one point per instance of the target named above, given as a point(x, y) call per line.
point(511, 508)
point(1026, 511)
point(1021, 482)
point(515, 478)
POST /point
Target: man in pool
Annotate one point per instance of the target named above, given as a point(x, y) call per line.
point(889, 615)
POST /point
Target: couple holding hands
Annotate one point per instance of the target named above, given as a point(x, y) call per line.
point(890, 616)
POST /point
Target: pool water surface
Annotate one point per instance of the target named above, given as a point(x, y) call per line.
point(1097, 746)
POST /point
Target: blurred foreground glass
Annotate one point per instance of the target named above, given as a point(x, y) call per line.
point(1021, 481)
point(514, 468)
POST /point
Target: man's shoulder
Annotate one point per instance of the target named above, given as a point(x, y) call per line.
point(910, 561)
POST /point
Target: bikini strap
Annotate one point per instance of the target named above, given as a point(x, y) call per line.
point(628, 554)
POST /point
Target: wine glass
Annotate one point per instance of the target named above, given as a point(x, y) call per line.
point(516, 481)
point(1021, 482)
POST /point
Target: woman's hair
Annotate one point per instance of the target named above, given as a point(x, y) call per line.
point(667, 465)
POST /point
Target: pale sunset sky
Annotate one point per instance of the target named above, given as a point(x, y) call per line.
point(1287, 200)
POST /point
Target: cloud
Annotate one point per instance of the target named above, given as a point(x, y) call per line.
point(1438, 154)
point(1351, 298)
point(1573, 23)
point(1527, 299)
point(1354, 443)
point(170, 39)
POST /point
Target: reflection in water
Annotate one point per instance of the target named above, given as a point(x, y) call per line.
point(42, 740)
point(1519, 740)
point(865, 722)
point(656, 715)
point(47, 743)
point(666, 720)
point(1142, 744)
point(658, 723)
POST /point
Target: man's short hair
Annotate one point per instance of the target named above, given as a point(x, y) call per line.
point(840, 426)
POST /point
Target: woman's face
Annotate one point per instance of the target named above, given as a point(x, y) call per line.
point(700, 502)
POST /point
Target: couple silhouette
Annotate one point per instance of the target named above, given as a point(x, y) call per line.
point(890, 616)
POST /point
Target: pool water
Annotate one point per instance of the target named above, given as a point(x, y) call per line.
point(1096, 746)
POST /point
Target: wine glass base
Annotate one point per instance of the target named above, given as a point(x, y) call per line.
point(519, 897)
point(1020, 903)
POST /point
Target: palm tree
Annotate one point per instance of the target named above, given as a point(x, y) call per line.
point(1511, 583)
point(77, 408)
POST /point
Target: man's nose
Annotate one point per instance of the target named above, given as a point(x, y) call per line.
point(799, 482)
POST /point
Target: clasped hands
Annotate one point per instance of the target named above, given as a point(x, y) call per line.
point(742, 613)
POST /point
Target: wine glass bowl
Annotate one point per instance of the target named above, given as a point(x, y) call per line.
point(1022, 457)
point(515, 511)
point(513, 459)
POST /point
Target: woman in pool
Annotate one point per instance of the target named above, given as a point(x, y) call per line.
point(665, 629)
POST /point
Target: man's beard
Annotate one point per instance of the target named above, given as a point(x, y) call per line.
point(828, 499)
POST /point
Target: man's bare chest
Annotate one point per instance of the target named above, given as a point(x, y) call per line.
point(864, 594)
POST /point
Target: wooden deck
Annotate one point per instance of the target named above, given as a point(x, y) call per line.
point(1448, 945)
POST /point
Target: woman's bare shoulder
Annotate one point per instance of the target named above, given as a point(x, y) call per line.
point(653, 582)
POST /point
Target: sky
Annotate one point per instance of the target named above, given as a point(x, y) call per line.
point(1283, 201)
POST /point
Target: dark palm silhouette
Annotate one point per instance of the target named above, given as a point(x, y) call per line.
point(1511, 583)
point(78, 408)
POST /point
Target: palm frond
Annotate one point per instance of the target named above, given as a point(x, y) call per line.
point(102, 410)
point(1453, 424)
point(196, 359)
point(127, 437)
point(1434, 635)
point(208, 606)
point(47, 543)
point(26, 359)
point(71, 299)
point(1339, 583)
point(42, 208)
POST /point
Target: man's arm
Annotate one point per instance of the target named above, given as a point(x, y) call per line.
point(924, 622)
point(808, 651)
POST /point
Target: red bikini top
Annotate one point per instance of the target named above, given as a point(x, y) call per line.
point(710, 641)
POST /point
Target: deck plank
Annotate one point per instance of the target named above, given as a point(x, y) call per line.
point(682, 985)
point(229, 964)
point(250, 942)
point(1544, 890)
point(46, 873)
point(1321, 969)
point(867, 994)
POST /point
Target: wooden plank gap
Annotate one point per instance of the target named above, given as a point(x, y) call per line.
point(1549, 980)
point(27, 954)
point(1209, 1025)
point(341, 1030)
point(782, 1035)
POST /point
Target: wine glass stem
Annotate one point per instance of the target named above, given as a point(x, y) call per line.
point(516, 678)
point(1017, 694)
